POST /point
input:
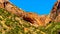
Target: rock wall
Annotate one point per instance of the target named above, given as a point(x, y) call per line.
point(33, 18)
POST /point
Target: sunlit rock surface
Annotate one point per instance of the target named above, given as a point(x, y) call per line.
point(16, 21)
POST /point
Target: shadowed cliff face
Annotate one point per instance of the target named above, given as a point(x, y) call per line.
point(58, 13)
point(33, 18)
point(55, 13)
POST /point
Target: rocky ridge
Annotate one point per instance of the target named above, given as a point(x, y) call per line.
point(33, 18)
point(16, 21)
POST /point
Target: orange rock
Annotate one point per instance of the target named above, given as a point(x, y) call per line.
point(31, 17)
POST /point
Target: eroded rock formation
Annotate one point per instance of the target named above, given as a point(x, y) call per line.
point(55, 13)
point(32, 17)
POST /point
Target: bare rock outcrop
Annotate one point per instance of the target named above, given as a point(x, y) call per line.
point(33, 18)
point(55, 13)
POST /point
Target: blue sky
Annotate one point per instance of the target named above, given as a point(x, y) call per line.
point(36, 6)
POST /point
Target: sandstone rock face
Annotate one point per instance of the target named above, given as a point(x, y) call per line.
point(48, 19)
point(33, 18)
point(1, 5)
point(57, 19)
point(1, 1)
point(55, 13)
point(15, 21)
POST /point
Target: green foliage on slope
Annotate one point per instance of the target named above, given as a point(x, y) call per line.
point(12, 24)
